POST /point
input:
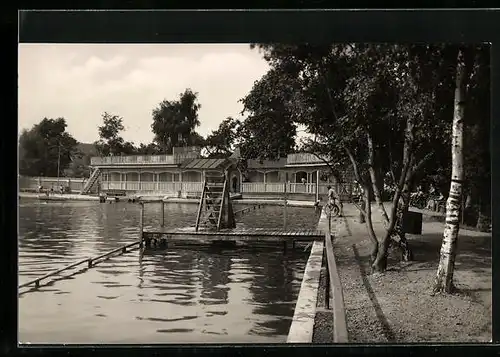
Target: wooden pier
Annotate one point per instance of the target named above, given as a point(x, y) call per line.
point(215, 223)
point(163, 236)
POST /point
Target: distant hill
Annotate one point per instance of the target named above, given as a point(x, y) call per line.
point(87, 149)
point(84, 148)
point(79, 167)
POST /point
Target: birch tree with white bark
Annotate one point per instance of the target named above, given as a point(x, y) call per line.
point(444, 277)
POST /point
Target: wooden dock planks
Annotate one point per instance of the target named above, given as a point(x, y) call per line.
point(238, 234)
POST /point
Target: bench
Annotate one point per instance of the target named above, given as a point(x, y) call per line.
point(193, 195)
point(116, 192)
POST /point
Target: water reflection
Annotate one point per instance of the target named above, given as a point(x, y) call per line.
point(214, 282)
point(175, 296)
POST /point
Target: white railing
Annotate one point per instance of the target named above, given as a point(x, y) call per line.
point(192, 187)
point(169, 186)
point(308, 188)
point(144, 159)
point(261, 187)
point(156, 186)
point(302, 188)
point(32, 183)
point(133, 159)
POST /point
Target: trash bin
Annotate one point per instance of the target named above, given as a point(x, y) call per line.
point(412, 223)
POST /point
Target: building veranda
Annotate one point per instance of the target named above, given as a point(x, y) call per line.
point(182, 174)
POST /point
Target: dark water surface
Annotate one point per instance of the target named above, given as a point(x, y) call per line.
point(174, 296)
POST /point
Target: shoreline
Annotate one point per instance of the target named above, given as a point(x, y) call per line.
point(151, 199)
point(56, 197)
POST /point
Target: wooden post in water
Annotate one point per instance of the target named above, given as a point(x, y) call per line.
point(141, 221)
point(162, 213)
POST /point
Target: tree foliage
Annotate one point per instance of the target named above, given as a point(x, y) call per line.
point(175, 121)
point(385, 110)
point(44, 146)
point(149, 149)
point(110, 141)
point(221, 142)
point(269, 130)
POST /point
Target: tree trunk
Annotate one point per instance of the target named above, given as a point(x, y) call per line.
point(379, 265)
point(369, 226)
point(379, 261)
point(400, 235)
point(363, 207)
point(444, 277)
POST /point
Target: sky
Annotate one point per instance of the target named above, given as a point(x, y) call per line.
point(81, 81)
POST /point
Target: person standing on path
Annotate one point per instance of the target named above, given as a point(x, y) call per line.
point(334, 198)
point(361, 200)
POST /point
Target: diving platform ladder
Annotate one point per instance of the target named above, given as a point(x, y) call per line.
point(91, 181)
point(215, 210)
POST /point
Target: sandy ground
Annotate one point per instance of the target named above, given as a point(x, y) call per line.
point(398, 306)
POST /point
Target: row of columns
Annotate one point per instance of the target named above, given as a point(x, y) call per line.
point(156, 176)
point(309, 179)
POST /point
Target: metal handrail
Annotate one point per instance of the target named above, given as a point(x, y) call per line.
point(243, 210)
point(334, 287)
point(90, 261)
point(37, 280)
point(122, 249)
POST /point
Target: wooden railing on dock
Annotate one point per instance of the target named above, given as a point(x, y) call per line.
point(90, 261)
point(246, 209)
point(334, 289)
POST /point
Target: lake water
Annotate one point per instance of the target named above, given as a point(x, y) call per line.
point(175, 296)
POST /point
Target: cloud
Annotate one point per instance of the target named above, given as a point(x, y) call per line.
point(80, 82)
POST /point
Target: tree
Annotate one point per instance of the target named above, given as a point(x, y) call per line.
point(221, 142)
point(444, 277)
point(47, 149)
point(269, 130)
point(110, 142)
point(373, 107)
point(344, 99)
point(77, 168)
point(174, 122)
point(150, 149)
point(426, 95)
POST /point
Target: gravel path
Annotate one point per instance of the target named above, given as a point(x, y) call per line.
point(398, 306)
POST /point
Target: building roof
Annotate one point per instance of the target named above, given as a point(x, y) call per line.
point(206, 164)
point(236, 154)
point(267, 164)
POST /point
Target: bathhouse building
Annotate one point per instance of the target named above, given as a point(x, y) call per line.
point(182, 175)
